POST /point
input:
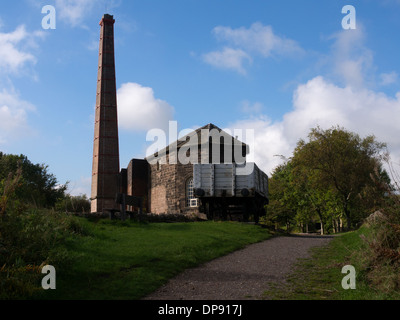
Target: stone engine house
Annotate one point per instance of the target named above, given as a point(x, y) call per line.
point(164, 180)
point(165, 183)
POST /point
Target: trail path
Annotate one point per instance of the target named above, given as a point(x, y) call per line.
point(244, 274)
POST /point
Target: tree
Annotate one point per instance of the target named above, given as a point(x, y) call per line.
point(283, 205)
point(339, 161)
point(37, 186)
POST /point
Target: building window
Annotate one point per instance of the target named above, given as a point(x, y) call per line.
point(191, 201)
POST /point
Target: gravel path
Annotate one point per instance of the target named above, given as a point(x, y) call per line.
point(244, 274)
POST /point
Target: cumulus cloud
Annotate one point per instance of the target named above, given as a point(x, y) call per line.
point(243, 44)
point(139, 110)
point(323, 102)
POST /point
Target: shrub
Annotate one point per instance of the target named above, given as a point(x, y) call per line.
point(383, 253)
point(29, 240)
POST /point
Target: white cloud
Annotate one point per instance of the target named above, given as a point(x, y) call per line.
point(352, 61)
point(243, 44)
point(322, 102)
point(14, 117)
point(228, 58)
point(258, 39)
point(270, 141)
point(15, 56)
point(361, 110)
point(319, 102)
point(13, 45)
point(139, 110)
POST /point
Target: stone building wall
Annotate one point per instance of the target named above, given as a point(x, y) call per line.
point(167, 187)
point(138, 182)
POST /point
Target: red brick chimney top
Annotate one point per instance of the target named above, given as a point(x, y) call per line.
point(107, 18)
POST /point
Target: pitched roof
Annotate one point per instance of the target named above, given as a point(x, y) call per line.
point(208, 127)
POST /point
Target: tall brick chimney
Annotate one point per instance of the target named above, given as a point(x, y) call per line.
point(105, 170)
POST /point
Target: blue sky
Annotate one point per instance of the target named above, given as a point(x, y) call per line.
point(278, 67)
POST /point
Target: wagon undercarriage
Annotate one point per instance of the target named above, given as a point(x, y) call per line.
point(225, 194)
point(240, 209)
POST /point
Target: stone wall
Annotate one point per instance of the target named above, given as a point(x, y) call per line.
point(138, 182)
point(168, 187)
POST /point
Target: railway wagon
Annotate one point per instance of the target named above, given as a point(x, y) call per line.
point(231, 189)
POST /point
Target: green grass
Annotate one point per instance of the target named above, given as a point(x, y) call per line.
point(130, 260)
point(320, 277)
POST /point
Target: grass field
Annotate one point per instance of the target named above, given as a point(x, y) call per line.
point(130, 260)
point(320, 277)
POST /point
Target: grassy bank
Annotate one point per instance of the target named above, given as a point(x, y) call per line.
point(320, 277)
point(130, 260)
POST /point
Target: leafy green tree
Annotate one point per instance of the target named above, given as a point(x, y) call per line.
point(37, 186)
point(314, 197)
point(282, 208)
point(338, 161)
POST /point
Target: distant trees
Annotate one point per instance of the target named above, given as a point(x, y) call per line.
point(76, 204)
point(331, 177)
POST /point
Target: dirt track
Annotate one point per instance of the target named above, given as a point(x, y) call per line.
point(244, 274)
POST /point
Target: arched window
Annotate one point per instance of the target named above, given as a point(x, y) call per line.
point(189, 192)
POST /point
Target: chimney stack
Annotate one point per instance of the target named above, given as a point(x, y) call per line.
point(105, 170)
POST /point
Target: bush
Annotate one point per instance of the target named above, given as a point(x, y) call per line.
point(29, 240)
point(383, 253)
point(18, 282)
